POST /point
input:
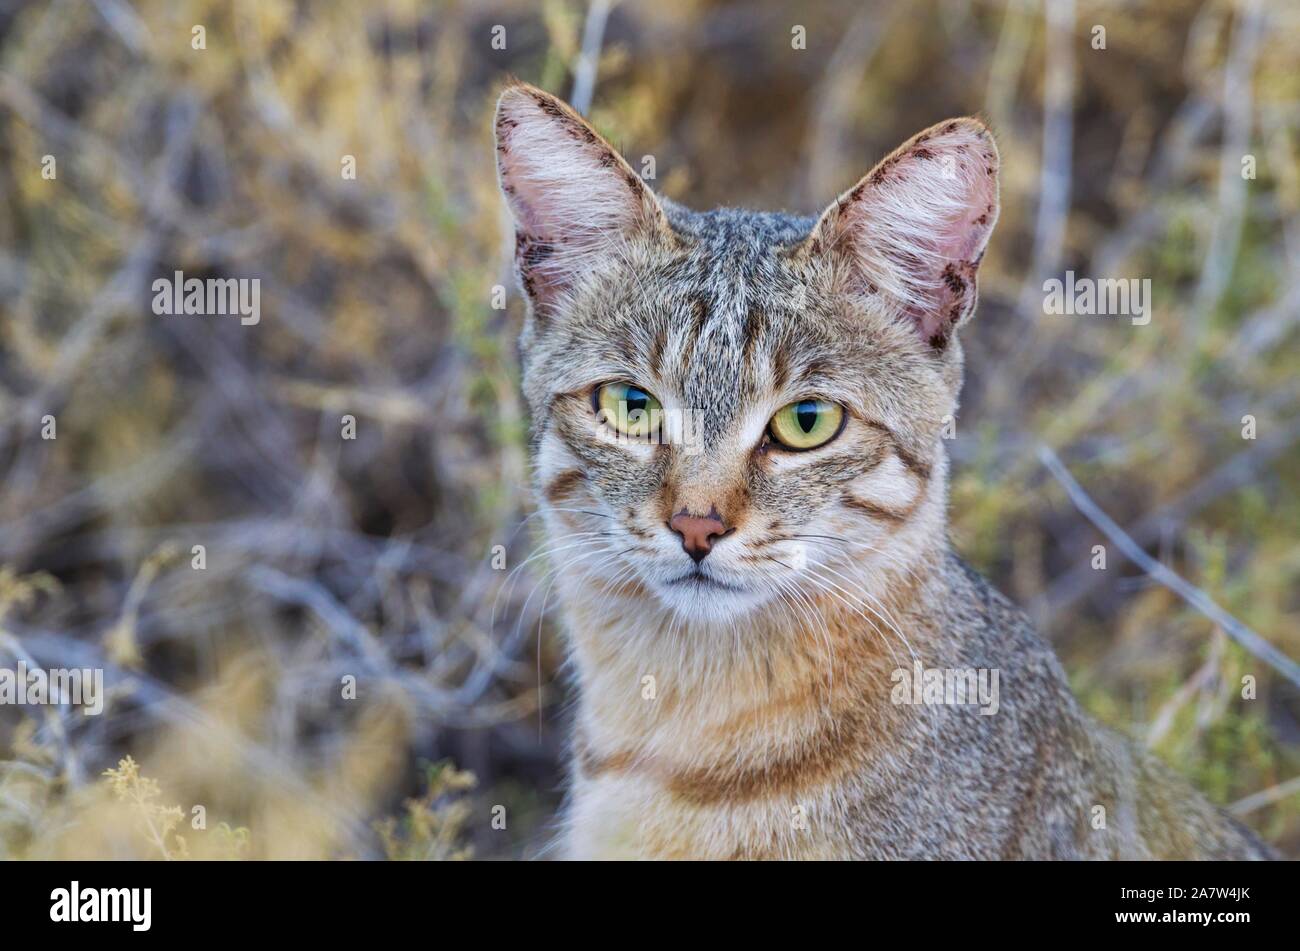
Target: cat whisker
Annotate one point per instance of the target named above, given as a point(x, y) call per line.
point(882, 613)
point(541, 617)
point(511, 643)
point(831, 589)
point(554, 549)
point(889, 558)
point(807, 613)
point(782, 585)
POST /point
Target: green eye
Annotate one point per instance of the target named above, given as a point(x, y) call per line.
point(628, 409)
point(806, 424)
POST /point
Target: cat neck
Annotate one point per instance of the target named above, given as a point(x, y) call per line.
point(651, 681)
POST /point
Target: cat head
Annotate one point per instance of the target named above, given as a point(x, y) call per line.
point(727, 404)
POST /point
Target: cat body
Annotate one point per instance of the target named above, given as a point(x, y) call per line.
point(753, 612)
point(732, 767)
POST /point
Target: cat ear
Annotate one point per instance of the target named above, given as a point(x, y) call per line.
point(573, 197)
point(913, 231)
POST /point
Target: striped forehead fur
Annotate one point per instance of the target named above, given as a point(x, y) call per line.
point(733, 613)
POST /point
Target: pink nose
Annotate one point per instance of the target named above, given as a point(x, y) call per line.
point(698, 531)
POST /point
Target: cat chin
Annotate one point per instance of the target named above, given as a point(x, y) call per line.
point(709, 603)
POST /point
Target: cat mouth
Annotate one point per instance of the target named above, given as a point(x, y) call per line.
point(702, 582)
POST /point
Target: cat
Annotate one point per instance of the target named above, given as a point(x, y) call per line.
point(744, 608)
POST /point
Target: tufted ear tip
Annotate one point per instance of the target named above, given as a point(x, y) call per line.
point(915, 227)
point(516, 94)
point(572, 196)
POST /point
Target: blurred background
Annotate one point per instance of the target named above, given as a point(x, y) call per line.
point(325, 561)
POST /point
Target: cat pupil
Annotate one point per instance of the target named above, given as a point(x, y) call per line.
point(636, 399)
point(806, 414)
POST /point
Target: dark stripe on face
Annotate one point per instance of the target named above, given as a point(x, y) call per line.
point(699, 317)
point(754, 325)
point(657, 350)
point(877, 511)
point(918, 466)
point(780, 369)
point(578, 440)
point(608, 468)
point(559, 488)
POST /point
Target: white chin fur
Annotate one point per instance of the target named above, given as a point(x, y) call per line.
point(709, 604)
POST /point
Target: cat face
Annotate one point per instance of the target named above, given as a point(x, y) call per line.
point(728, 405)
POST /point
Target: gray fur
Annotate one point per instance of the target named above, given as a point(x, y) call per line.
point(735, 313)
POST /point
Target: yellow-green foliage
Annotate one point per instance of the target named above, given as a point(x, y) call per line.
point(157, 822)
point(431, 826)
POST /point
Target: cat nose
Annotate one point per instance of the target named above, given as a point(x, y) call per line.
point(698, 531)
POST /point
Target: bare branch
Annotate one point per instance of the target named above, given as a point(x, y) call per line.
point(1266, 797)
point(584, 73)
point(1193, 595)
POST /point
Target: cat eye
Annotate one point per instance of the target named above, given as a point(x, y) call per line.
point(627, 409)
point(806, 424)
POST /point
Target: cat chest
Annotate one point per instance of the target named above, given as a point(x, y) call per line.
point(628, 816)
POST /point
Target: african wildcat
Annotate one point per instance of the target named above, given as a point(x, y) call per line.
point(742, 604)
